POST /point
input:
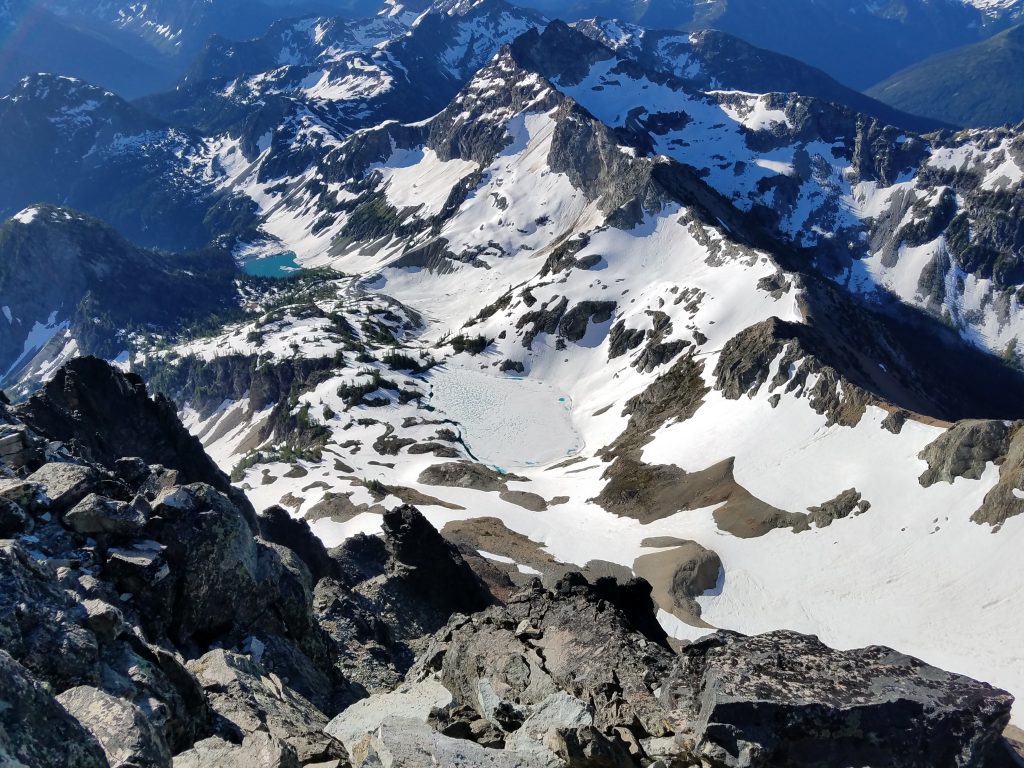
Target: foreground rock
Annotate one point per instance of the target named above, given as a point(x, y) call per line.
point(787, 699)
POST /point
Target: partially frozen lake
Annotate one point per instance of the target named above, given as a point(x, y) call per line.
point(507, 422)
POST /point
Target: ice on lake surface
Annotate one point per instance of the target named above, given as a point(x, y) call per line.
point(507, 422)
point(282, 265)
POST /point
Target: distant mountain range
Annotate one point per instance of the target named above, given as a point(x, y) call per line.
point(978, 85)
point(141, 48)
point(858, 42)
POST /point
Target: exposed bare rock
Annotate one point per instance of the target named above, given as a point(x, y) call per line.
point(127, 737)
point(748, 358)
point(35, 730)
point(465, 474)
point(404, 743)
point(414, 702)
point(1003, 501)
point(248, 699)
point(531, 501)
point(963, 450)
point(679, 575)
point(505, 662)
point(88, 395)
point(787, 699)
point(574, 323)
point(97, 514)
point(65, 484)
point(259, 749)
point(40, 625)
point(843, 505)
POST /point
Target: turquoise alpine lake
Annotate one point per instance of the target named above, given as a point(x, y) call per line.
point(282, 265)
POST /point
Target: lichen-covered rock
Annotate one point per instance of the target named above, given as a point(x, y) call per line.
point(126, 735)
point(97, 514)
point(413, 702)
point(259, 749)
point(403, 743)
point(40, 625)
point(65, 484)
point(512, 658)
point(210, 548)
point(249, 700)
point(787, 699)
point(35, 730)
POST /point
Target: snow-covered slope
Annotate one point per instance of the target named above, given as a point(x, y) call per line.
point(881, 210)
point(349, 73)
point(572, 340)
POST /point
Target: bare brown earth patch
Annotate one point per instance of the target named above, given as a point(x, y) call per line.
point(678, 576)
point(491, 535)
point(340, 508)
point(650, 492)
point(525, 499)
point(420, 499)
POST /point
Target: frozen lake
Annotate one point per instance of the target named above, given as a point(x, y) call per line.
point(507, 422)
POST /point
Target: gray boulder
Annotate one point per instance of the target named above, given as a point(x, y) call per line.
point(210, 548)
point(97, 514)
point(127, 737)
point(37, 731)
point(507, 661)
point(413, 702)
point(404, 743)
point(787, 699)
point(65, 484)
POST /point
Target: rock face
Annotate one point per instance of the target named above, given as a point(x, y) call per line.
point(39, 731)
point(964, 450)
point(787, 699)
point(87, 393)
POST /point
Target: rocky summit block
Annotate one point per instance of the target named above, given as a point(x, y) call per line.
point(786, 699)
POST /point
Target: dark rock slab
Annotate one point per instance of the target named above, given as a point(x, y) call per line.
point(37, 731)
point(786, 699)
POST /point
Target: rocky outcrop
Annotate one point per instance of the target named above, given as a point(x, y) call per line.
point(108, 415)
point(506, 662)
point(843, 505)
point(248, 699)
point(964, 450)
point(1004, 500)
point(392, 594)
point(787, 699)
point(679, 575)
point(748, 359)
